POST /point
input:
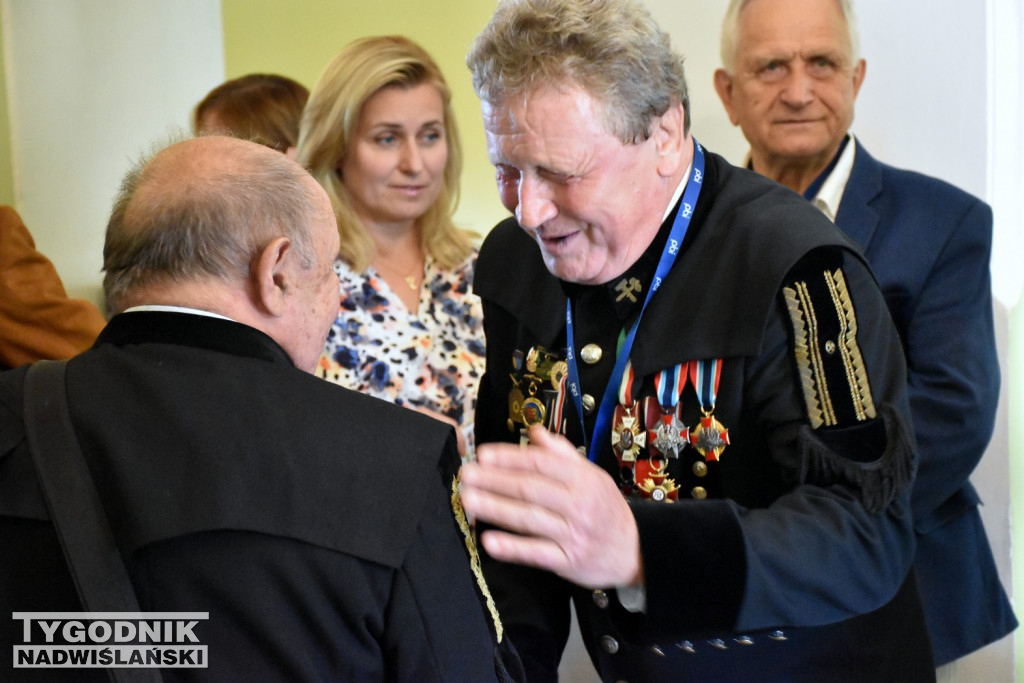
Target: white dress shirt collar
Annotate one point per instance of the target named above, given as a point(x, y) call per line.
point(831, 193)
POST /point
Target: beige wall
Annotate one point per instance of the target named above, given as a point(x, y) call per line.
point(90, 85)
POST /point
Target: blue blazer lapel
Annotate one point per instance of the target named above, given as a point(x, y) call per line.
point(856, 218)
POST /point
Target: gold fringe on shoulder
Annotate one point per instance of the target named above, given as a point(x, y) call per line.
point(474, 556)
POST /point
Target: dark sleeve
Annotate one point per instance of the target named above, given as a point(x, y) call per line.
point(441, 622)
point(839, 542)
point(282, 609)
point(953, 370)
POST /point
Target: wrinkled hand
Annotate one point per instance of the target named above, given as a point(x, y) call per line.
point(459, 436)
point(568, 513)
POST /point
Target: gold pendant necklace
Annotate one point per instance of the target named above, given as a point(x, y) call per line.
point(410, 279)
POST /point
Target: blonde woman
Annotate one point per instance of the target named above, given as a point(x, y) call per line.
point(378, 133)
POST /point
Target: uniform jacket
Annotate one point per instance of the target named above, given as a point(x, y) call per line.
point(317, 526)
point(37, 319)
point(929, 245)
point(785, 559)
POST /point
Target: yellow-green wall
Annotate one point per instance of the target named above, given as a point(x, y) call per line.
point(6, 168)
point(298, 39)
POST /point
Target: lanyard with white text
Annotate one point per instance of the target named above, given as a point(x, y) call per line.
point(668, 257)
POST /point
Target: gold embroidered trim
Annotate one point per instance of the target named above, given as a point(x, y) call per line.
point(474, 556)
point(807, 349)
point(853, 361)
point(808, 356)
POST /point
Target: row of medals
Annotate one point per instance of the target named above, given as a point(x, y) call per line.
point(663, 434)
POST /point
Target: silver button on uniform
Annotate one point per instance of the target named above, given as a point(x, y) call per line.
point(601, 599)
point(591, 354)
point(609, 644)
point(588, 404)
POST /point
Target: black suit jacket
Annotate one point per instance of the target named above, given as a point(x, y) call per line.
point(314, 524)
point(785, 560)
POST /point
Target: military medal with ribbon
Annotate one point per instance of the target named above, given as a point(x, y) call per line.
point(618, 415)
point(556, 422)
point(667, 435)
point(710, 438)
point(628, 435)
point(530, 401)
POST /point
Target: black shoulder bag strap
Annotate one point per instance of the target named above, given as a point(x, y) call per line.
point(92, 555)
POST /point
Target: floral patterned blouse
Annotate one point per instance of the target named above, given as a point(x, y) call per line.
point(431, 358)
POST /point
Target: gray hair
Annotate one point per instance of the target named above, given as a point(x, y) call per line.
point(613, 49)
point(194, 221)
point(731, 23)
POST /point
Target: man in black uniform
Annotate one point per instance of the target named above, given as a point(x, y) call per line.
point(319, 528)
point(719, 354)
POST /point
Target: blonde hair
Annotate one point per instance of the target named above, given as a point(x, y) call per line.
point(329, 124)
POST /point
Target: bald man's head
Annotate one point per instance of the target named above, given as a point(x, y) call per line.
point(203, 208)
point(229, 227)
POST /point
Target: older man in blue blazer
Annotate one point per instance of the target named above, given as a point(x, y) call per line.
point(790, 78)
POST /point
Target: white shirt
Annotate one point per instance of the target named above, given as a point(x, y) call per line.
point(831, 193)
point(832, 190)
point(175, 309)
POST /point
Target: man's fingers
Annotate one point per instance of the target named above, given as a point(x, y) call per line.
point(526, 486)
point(549, 453)
point(514, 513)
point(535, 552)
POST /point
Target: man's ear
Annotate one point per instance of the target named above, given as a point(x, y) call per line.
point(723, 86)
point(859, 71)
point(273, 276)
point(670, 136)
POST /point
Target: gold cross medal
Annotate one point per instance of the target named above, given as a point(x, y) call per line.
point(710, 438)
point(628, 435)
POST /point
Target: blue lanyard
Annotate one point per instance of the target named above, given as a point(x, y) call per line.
point(668, 257)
